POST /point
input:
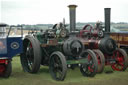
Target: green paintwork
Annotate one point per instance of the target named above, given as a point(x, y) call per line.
point(49, 49)
point(77, 61)
point(39, 37)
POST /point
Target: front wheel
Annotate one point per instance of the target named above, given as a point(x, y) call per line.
point(101, 60)
point(89, 69)
point(58, 66)
point(121, 58)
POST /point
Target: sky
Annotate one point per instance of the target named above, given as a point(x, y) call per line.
point(53, 11)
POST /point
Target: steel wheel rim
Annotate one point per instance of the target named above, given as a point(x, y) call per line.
point(99, 61)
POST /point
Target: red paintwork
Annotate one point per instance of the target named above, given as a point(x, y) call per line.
point(30, 45)
point(94, 33)
point(90, 66)
point(2, 68)
point(93, 41)
point(88, 25)
point(82, 31)
point(90, 43)
point(3, 62)
point(119, 64)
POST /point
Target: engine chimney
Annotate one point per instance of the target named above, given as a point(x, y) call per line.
point(107, 19)
point(72, 10)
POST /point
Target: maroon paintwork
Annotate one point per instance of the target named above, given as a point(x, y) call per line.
point(93, 41)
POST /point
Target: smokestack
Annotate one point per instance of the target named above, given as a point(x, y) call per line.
point(107, 19)
point(72, 10)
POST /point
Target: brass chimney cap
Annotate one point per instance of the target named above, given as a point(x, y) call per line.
point(72, 6)
point(107, 8)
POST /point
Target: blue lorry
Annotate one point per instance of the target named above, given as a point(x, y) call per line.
point(9, 47)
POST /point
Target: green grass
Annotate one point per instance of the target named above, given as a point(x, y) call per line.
point(74, 77)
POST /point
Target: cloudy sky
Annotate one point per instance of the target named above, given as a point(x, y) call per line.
point(53, 11)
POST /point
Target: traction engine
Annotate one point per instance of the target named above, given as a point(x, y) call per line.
point(58, 48)
point(108, 53)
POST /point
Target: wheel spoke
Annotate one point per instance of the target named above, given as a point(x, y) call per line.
point(117, 54)
point(58, 68)
point(30, 56)
point(91, 66)
point(120, 60)
point(59, 74)
point(30, 65)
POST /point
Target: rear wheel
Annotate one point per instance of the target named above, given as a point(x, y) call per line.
point(58, 66)
point(31, 57)
point(121, 60)
point(101, 60)
point(89, 69)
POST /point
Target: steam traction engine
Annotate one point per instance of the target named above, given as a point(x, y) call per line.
point(108, 53)
point(9, 47)
point(58, 48)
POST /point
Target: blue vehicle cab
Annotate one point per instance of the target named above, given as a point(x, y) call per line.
point(9, 47)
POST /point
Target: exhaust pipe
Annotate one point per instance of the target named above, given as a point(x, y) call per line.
point(107, 19)
point(72, 11)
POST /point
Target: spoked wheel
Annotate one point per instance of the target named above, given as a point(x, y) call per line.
point(58, 66)
point(121, 60)
point(31, 57)
point(101, 60)
point(89, 69)
point(6, 70)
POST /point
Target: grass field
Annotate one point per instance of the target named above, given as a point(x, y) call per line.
point(74, 77)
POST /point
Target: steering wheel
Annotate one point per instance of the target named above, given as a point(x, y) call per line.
point(85, 29)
